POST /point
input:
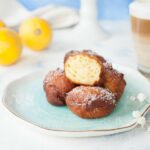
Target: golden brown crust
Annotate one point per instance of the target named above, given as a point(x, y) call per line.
point(99, 59)
point(56, 85)
point(114, 80)
point(86, 52)
point(90, 102)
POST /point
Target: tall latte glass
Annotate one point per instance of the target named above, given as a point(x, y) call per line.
point(140, 20)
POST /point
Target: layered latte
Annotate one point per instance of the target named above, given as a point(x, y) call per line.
point(140, 20)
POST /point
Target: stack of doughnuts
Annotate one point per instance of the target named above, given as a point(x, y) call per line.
point(88, 85)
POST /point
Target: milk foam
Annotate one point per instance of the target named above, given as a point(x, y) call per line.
point(140, 9)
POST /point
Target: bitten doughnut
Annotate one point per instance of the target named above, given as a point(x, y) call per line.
point(114, 80)
point(83, 68)
point(56, 85)
point(90, 102)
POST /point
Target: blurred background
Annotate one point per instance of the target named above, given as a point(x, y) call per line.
point(64, 16)
point(107, 9)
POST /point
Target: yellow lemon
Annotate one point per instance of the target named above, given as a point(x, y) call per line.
point(2, 24)
point(36, 33)
point(10, 46)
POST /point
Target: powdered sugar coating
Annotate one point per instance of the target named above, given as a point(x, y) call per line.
point(107, 65)
point(90, 102)
point(52, 74)
point(113, 80)
point(56, 85)
point(92, 94)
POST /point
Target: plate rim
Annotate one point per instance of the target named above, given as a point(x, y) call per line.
point(126, 127)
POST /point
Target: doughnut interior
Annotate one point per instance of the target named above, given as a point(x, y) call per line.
point(82, 69)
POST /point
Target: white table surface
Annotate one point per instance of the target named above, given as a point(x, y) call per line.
point(16, 136)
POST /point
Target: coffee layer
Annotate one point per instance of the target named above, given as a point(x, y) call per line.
point(140, 26)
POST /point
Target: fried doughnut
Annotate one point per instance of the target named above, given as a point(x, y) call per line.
point(56, 85)
point(83, 68)
point(90, 102)
point(114, 80)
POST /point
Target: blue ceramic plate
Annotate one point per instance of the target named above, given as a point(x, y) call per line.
point(25, 99)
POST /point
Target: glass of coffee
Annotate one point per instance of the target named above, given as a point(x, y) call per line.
point(140, 21)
